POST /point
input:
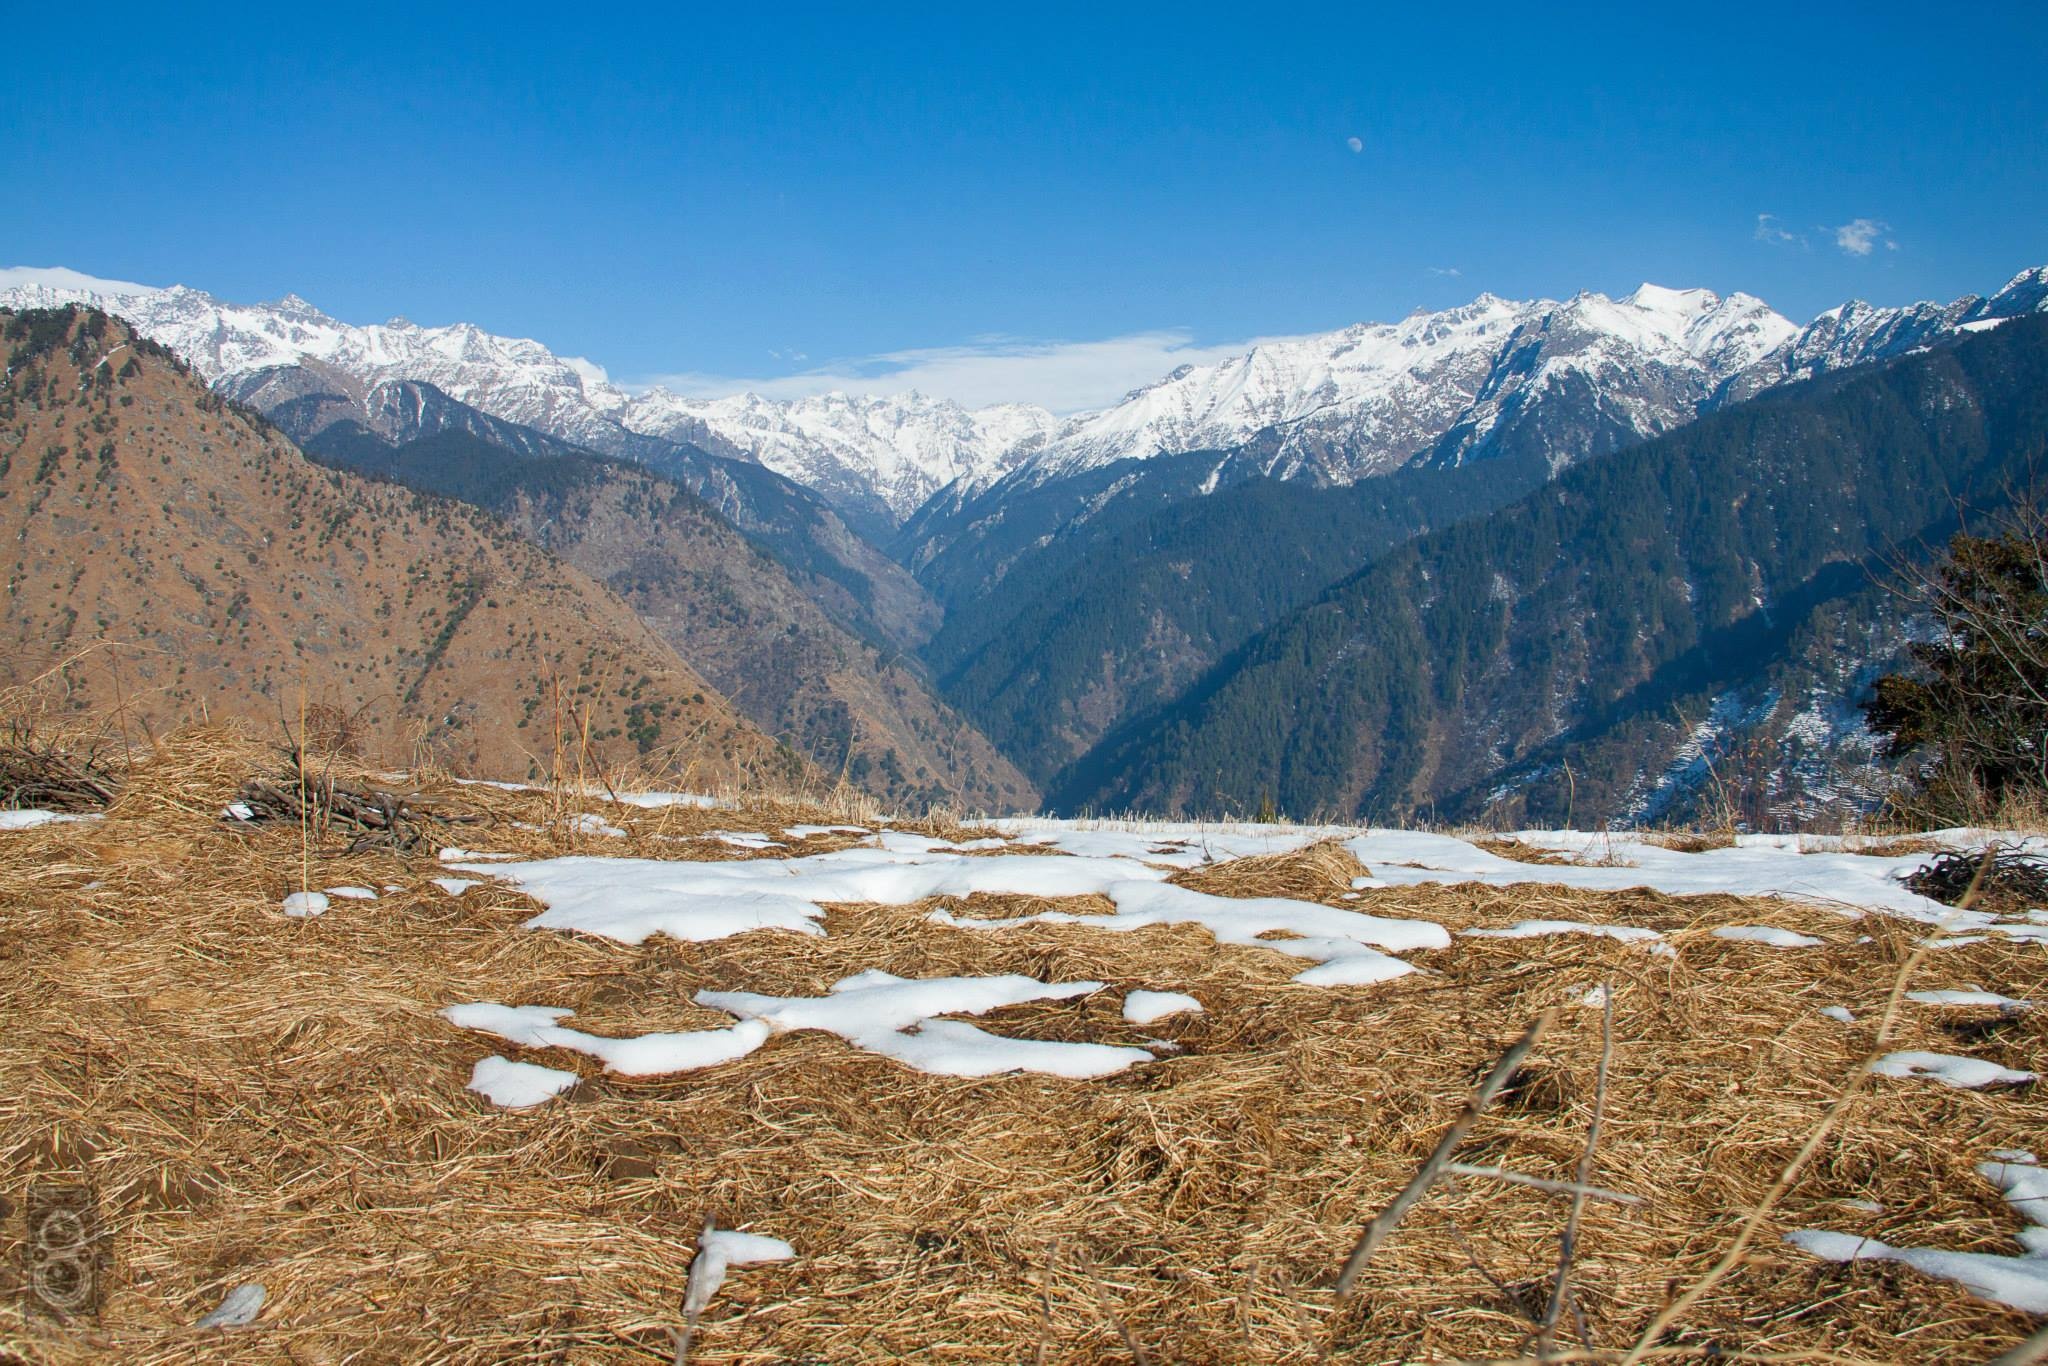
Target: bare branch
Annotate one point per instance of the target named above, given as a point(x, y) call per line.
point(1426, 1176)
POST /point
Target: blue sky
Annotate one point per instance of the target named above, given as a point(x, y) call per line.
point(1004, 199)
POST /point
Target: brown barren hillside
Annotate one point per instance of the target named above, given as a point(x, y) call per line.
point(736, 615)
point(169, 555)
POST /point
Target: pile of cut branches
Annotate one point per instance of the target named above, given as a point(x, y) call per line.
point(2005, 878)
point(370, 817)
point(35, 772)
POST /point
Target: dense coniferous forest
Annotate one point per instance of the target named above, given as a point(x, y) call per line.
point(1571, 620)
point(1123, 609)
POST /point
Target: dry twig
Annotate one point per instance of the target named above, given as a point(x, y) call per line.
point(1426, 1176)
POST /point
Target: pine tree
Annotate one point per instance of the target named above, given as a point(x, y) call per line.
point(1978, 697)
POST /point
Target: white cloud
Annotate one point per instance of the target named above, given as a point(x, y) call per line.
point(1769, 230)
point(1355, 144)
point(1067, 377)
point(59, 278)
point(1452, 271)
point(1859, 235)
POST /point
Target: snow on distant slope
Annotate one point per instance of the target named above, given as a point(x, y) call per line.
point(508, 377)
point(892, 451)
point(1370, 398)
point(899, 449)
point(1575, 378)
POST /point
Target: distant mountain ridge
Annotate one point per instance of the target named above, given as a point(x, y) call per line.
point(174, 557)
point(1565, 379)
point(874, 456)
point(1704, 608)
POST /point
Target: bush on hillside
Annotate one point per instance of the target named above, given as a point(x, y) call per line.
point(1976, 700)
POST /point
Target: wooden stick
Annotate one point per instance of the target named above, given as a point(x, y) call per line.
point(1577, 1189)
point(1426, 1176)
point(1567, 1246)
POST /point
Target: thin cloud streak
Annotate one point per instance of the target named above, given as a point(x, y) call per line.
point(1066, 377)
point(1769, 230)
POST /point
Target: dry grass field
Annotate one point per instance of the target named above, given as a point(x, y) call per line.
point(248, 1096)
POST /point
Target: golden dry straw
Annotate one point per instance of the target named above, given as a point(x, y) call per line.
point(256, 1098)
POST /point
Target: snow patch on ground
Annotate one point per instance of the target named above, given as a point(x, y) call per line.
point(894, 1016)
point(2020, 1282)
point(631, 900)
point(1782, 866)
point(29, 818)
point(1144, 1007)
point(721, 1249)
point(1950, 1070)
point(305, 903)
point(1974, 996)
point(1768, 934)
point(1337, 939)
point(518, 1085)
point(642, 1055)
point(1536, 929)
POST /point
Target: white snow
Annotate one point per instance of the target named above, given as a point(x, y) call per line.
point(352, 893)
point(305, 903)
point(1768, 934)
point(1756, 866)
point(655, 801)
point(1535, 929)
point(1174, 844)
point(1346, 404)
point(743, 839)
point(587, 823)
point(1336, 938)
point(642, 1055)
point(2020, 1282)
point(1975, 996)
point(29, 818)
point(1841, 1013)
point(518, 1085)
point(1144, 1007)
point(721, 1249)
point(1378, 392)
point(1949, 1070)
point(804, 832)
point(893, 1016)
point(632, 899)
point(2025, 1187)
point(454, 886)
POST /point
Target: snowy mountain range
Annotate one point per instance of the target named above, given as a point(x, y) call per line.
point(1358, 402)
point(1574, 377)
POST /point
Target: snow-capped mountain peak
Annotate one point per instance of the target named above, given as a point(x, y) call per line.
point(1561, 380)
point(884, 453)
point(1347, 404)
point(895, 450)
